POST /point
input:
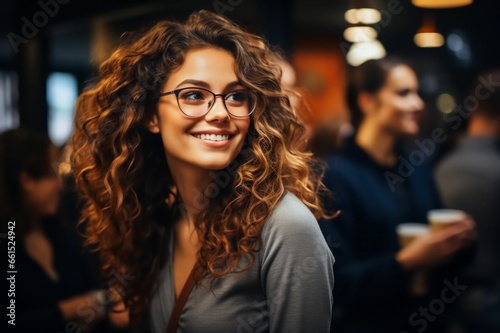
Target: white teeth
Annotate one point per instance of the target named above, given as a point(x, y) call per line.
point(212, 137)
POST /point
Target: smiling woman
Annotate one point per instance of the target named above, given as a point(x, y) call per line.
point(374, 274)
point(197, 140)
point(189, 159)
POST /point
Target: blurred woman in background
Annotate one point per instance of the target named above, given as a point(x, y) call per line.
point(374, 197)
point(53, 286)
point(289, 83)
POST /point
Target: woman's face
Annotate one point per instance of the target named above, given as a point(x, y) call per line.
point(42, 195)
point(399, 106)
point(190, 142)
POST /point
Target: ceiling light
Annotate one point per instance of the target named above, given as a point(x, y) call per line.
point(351, 16)
point(363, 15)
point(429, 39)
point(363, 51)
point(427, 35)
point(441, 3)
point(360, 34)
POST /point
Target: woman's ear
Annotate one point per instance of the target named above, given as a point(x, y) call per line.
point(367, 103)
point(154, 125)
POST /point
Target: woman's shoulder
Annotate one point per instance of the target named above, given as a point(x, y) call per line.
point(291, 204)
point(292, 230)
point(290, 215)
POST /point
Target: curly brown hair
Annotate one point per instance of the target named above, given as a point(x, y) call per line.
point(121, 171)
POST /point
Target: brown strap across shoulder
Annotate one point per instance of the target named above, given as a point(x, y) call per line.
point(181, 301)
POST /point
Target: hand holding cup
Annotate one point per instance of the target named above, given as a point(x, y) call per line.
point(438, 246)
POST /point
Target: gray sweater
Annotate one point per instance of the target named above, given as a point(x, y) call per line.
point(287, 289)
point(469, 179)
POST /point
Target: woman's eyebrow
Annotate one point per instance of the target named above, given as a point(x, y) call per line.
point(194, 82)
point(233, 84)
point(207, 85)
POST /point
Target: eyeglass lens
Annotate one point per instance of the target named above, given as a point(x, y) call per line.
point(197, 102)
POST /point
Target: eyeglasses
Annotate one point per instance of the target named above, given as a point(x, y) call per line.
point(197, 102)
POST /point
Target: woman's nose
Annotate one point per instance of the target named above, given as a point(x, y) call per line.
point(218, 111)
point(418, 103)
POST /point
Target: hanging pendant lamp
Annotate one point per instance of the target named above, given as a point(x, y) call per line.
point(441, 3)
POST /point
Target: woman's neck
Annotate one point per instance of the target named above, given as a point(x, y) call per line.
point(191, 183)
point(377, 143)
point(32, 222)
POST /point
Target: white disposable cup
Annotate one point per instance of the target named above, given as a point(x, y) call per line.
point(442, 218)
point(407, 232)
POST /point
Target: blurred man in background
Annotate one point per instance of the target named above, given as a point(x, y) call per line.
point(469, 179)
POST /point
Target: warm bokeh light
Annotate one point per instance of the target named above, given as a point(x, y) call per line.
point(445, 103)
point(363, 15)
point(441, 3)
point(363, 51)
point(428, 39)
point(360, 34)
point(350, 16)
point(427, 35)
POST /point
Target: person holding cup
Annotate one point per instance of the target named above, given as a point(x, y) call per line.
point(374, 197)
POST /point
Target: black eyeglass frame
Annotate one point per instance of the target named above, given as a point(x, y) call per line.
point(176, 92)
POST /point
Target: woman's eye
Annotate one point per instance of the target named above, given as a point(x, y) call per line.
point(192, 96)
point(403, 92)
point(237, 96)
